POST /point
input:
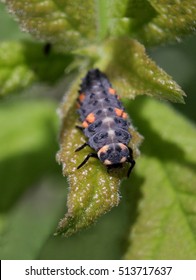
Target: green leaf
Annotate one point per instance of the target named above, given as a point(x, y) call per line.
point(170, 20)
point(127, 17)
point(133, 73)
point(9, 29)
point(86, 202)
point(73, 24)
point(152, 22)
point(27, 155)
point(31, 221)
point(164, 195)
point(65, 23)
point(22, 63)
point(27, 146)
point(90, 244)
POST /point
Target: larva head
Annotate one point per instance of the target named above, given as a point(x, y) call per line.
point(114, 154)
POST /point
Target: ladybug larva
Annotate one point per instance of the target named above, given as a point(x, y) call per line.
point(104, 122)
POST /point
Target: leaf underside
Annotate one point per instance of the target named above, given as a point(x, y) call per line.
point(62, 22)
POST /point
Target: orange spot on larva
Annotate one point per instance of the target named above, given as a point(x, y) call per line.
point(124, 115)
point(120, 113)
point(90, 118)
point(82, 97)
point(85, 124)
point(112, 91)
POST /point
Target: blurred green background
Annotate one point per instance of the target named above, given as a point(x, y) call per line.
point(32, 189)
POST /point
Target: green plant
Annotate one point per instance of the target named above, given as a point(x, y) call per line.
point(159, 215)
